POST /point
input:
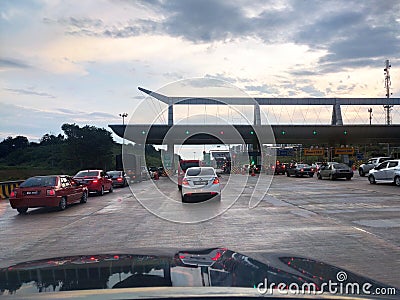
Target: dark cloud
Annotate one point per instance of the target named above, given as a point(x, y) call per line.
point(353, 33)
point(30, 92)
point(11, 63)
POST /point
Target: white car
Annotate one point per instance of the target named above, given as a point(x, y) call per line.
point(200, 182)
point(388, 171)
point(370, 164)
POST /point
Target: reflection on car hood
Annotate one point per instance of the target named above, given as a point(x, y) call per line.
point(216, 267)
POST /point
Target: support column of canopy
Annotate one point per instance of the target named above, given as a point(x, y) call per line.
point(336, 114)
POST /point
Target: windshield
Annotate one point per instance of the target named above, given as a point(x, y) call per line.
point(87, 174)
point(40, 181)
point(188, 164)
point(252, 126)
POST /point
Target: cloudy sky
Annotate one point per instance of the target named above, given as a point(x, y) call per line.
point(82, 61)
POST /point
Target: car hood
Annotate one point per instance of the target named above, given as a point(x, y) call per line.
point(216, 267)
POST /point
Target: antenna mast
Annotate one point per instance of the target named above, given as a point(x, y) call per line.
point(387, 107)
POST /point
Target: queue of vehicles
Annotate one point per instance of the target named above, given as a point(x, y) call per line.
point(377, 169)
point(62, 190)
point(194, 181)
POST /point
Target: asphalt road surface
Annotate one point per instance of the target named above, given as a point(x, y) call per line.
point(351, 224)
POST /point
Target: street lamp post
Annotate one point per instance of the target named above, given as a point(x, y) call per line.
point(123, 115)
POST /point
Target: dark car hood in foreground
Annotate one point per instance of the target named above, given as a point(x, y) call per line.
point(216, 267)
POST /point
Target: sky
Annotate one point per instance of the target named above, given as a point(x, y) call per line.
point(83, 61)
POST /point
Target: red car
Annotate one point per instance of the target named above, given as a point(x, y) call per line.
point(47, 191)
point(95, 180)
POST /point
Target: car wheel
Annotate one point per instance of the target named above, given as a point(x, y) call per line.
point(287, 174)
point(111, 189)
point(319, 176)
point(361, 172)
point(84, 197)
point(397, 180)
point(101, 192)
point(22, 210)
point(348, 178)
point(63, 204)
point(184, 199)
point(311, 175)
point(371, 179)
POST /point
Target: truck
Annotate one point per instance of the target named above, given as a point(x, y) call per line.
point(131, 164)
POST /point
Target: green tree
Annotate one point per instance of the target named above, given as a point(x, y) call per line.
point(88, 147)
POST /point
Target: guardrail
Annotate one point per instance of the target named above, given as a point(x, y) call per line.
point(6, 188)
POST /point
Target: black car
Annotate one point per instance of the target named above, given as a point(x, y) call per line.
point(299, 170)
point(118, 178)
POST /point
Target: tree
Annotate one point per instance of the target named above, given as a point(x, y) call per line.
point(51, 139)
point(88, 147)
point(10, 144)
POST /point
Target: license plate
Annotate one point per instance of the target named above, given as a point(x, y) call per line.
point(32, 193)
point(200, 182)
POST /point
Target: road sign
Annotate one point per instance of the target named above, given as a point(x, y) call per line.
point(313, 152)
point(360, 156)
point(344, 151)
point(167, 160)
point(284, 152)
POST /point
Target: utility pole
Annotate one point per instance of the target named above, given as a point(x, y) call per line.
point(387, 107)
point(370, 115)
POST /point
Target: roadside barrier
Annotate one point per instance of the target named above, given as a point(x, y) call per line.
point(6, 188)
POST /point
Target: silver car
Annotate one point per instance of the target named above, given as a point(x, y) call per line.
point(370, 164)
point(200, 182)
point(334, 171)
point(388, 171)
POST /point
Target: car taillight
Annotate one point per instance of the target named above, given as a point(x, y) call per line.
point(216, 181)
point(50, 192)
point(119, 179)
point(185, 182)
point(302, 170)
point(13, 194)
point(284, 166)
point(95, 181)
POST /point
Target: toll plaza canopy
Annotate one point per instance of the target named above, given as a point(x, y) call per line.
point(280, 134)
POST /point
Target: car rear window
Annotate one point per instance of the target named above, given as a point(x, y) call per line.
point(87, 173)
point(114, 173)
point(200, 172)
point(193, 172)
point(340, 166)
point(40, 181)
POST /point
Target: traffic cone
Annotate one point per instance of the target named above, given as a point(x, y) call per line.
point(252, 172)
point(156, 176)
